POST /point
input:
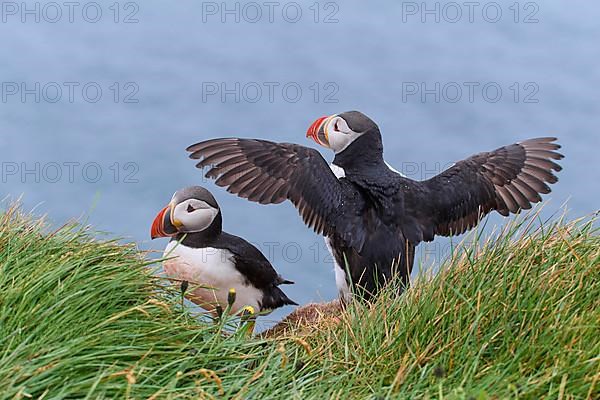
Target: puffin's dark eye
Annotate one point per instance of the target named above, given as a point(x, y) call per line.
point(336, 127)
point(190, 208)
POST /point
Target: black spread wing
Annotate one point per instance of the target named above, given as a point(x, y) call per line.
point(507, 180)
point(269, 173)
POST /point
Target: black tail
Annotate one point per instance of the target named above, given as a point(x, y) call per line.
point(281, 281)
point(275, 298)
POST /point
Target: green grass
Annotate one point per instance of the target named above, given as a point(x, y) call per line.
point(518, 317)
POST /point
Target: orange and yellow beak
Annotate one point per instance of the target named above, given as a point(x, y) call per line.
point(318, 131)
point(162, 226)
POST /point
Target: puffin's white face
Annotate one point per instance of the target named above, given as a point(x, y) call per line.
point(192, 215)
point(192, 209)
point(338, 133)
point(332, 132)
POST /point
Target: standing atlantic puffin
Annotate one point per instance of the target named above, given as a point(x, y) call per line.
point(201, 253)
point(371, 216)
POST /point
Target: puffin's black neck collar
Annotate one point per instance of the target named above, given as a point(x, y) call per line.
point(202, 239)
point(364, 153)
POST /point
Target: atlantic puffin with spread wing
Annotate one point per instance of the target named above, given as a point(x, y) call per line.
point(201, 253)
point(371, 216)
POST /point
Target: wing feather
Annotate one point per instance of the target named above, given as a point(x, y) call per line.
point(507, 180)
point(270, 173)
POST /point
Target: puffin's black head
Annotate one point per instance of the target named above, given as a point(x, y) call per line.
point(338, 131)
point(191, 210)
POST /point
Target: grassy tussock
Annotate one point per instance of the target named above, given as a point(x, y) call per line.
point(517, 317)
point(514, 318)
point(83, 318)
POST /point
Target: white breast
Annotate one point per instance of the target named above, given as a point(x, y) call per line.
point(340, 275)
point(215, 270)
point(337, 171)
